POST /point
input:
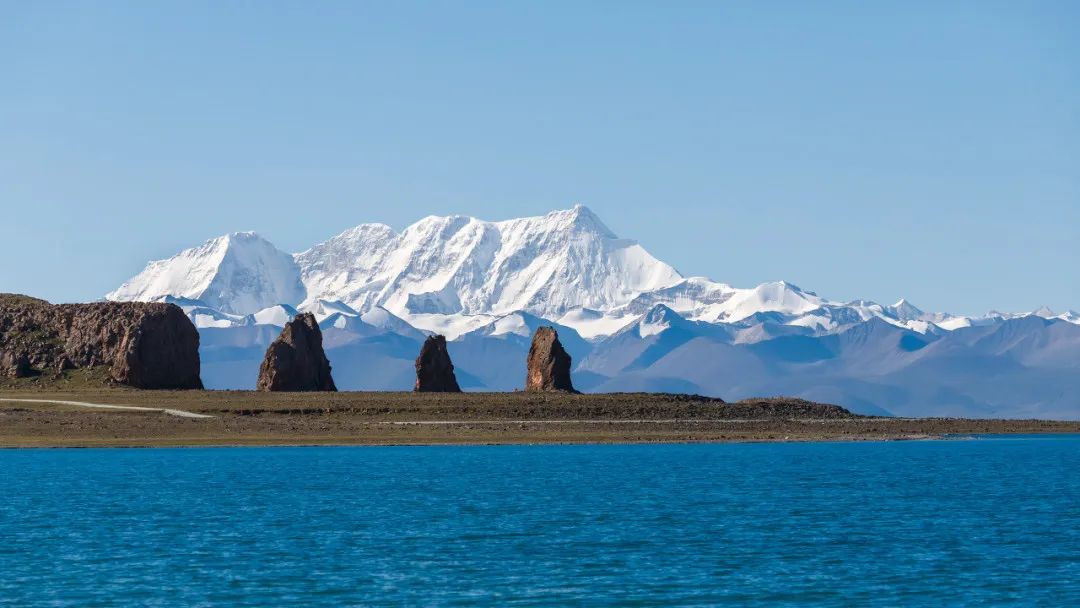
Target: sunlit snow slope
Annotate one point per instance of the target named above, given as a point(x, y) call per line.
point(238, 273)
point(630, 321)
point(460, 265)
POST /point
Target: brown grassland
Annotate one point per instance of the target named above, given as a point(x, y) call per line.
point(378, 418)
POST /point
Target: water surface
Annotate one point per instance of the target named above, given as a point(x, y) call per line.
point(915, 523)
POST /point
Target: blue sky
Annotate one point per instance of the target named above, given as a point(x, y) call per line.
point(923, 150)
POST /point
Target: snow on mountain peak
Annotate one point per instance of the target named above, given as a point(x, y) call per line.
point(582, 218)
point(658, 319)
point(1044, 312)
point(905, 311)
point(778, 296)
point(455, 274)
point(442, 265)
point(238, 273)
point(544, 265)
point(278, 315)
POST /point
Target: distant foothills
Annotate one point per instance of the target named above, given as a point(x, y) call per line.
point(629, 322)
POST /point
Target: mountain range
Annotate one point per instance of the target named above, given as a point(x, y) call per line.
point(630, 321)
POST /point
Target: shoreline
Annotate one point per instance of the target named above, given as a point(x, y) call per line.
point(555, 442)
point(111, 417)
point(229, 446)
point(360, 443)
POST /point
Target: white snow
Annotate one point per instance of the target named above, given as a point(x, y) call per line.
point(812, 321)
point(1070, 316)
point(593, 324)
point(207, 320)
point(510, 324)
point(323, 309)
point(278, 315)
point(456, 274)
point(384, 319)
point(646, 329)
point(204, 316)
point(239, 273)
point(451, 326)
point(767, 297)
point(954, 323)
point(544, 265)
point(657, 320)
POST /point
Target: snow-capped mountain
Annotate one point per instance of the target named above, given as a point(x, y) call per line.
point(452, 265)
point(630, 321)
point(460, 265)
point(239, 273)
point(455, 274)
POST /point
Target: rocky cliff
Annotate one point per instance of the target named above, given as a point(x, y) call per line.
point(548, 365)
point(434, 370)
point(296, 361)
point(143, 345)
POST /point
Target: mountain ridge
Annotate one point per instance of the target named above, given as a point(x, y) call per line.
point(629, 321)
point(549, 265)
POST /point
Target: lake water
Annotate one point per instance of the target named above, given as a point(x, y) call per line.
point(913, 523)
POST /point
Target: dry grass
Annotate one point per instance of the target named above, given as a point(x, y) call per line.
point(370, 418)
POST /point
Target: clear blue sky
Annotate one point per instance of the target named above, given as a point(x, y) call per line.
point(925, 150)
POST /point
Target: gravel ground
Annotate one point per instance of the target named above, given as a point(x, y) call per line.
point(369, 418)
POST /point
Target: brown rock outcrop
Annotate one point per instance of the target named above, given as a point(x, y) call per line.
point(434, 370)
point(144, 345)
point(295, 361)
point(14, 366)
point(548, 365)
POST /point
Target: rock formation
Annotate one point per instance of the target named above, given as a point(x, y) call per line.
point(434, 371)
point(548, 365)
point(295, 361)
point(14, 366)
point(143, 345)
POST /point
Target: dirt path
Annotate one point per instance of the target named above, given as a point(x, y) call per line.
point(128, 408)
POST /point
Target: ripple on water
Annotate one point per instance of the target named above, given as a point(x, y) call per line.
point(908, 523)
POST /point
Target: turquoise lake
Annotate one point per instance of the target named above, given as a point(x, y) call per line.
point(981, 521)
